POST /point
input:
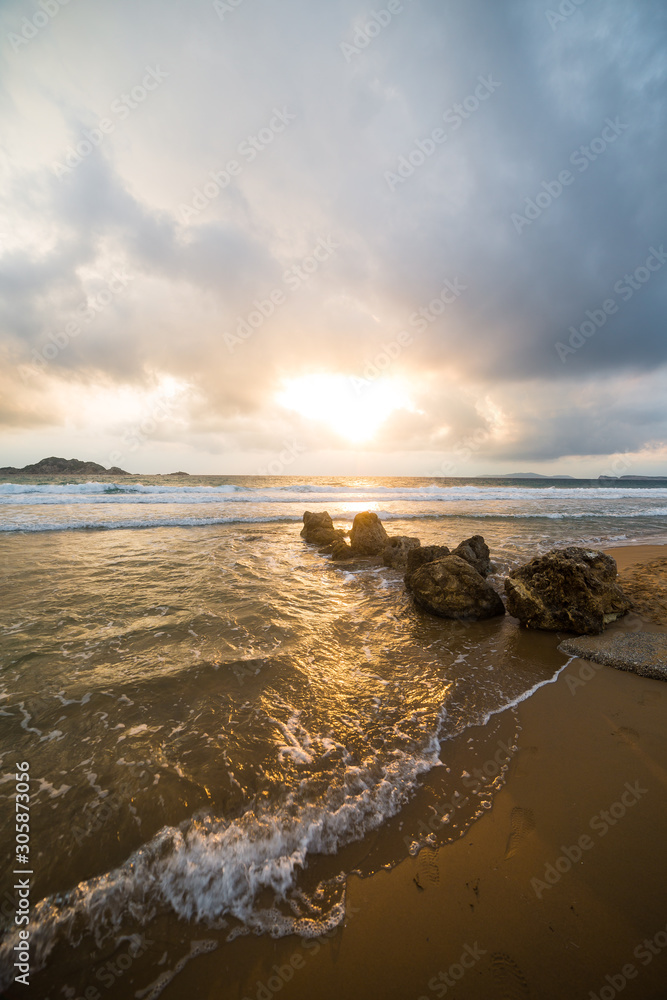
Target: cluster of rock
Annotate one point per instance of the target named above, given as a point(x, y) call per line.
point(572, 589)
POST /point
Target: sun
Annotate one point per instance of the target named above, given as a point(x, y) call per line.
point(352, 407)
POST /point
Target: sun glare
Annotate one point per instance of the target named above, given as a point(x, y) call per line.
point(352, 407)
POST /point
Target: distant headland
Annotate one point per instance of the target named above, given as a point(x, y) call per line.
point(635, 479)
point(610, 479)
point(63, 467)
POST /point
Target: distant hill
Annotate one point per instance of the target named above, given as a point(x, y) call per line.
point(63, 467)
point(527, 475)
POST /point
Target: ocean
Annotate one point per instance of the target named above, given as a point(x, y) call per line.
point(221, 724)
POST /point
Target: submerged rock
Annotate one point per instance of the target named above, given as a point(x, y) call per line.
point(572, 589)
point(643, 653)
point(476, 552)
point(451, 588)
point(368, 537)
point(420, 556)
point(397, 550)
point(318, 529)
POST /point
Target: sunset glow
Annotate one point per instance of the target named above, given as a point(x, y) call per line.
point(353, 408)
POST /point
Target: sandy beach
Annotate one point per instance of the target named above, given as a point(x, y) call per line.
point(558, 891)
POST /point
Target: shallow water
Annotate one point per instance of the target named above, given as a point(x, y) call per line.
point(215, 715)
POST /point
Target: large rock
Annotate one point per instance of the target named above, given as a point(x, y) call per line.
point(368, 537)
point(476, 552)
point(451, 588)
point(420, 556)
point(318, 529)
point(397, 550)
point(572, 589)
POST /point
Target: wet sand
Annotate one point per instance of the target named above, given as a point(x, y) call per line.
point(630, 555)
point(559, 891)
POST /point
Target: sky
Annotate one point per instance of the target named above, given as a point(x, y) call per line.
point(421, 237)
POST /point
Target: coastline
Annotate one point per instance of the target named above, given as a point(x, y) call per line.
point(480, 913)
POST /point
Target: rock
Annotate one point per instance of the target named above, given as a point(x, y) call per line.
point(451, 588)
point(341, 550)
point(643, 653)
point(646, 586)
point(397, 549)
point(419, 557)
point(318, 529)
point(315, 522)
point(368, 537)
point(476, 552)
point(572, 589)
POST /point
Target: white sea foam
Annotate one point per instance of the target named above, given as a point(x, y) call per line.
point(68, 524)
point(210, 868)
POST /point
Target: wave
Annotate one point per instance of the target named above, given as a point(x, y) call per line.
point(195, 522)
point(19, 493)
point(210, 870)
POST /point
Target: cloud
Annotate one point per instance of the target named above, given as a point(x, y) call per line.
point(314, 135)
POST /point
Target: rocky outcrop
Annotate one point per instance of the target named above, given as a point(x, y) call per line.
point(419, 557)
point(572, 589)
point(451, 588)
point(368, 537)
point(643, 653)
point(318, 529)
point(476, 552)
point(397, 550)
point(645, 586)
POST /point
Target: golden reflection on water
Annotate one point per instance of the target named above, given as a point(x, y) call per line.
point(357, 506)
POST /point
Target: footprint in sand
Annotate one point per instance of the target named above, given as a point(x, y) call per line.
point(522, 823)
point(627, 735)
point(510, 981)
point(428, 870)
